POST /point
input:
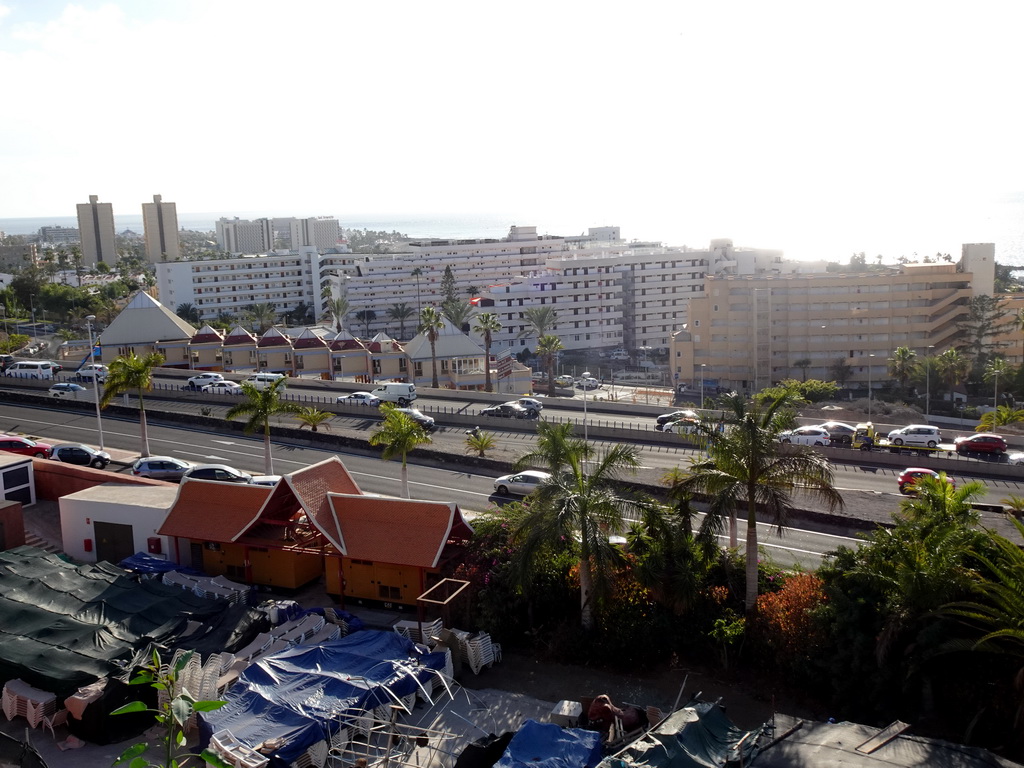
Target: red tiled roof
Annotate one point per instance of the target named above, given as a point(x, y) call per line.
point(346, 344)
point(240, 338)
point(311, 487)
point(398, 531)
point(274, 341)
point(207, 338)
point(213, 511)
point(307, 342)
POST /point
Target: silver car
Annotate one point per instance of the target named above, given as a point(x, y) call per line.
point(161, 467)
point(521, 483)
point(220, 472)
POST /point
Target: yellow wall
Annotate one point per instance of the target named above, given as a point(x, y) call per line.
point(270, 567)
point(382, 582)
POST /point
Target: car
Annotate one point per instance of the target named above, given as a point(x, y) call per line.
point(54, 366)
point(92, 371)
point(427, 422)
point(923, 435)
point(679, 427)
point(66, 390)
point(222, 388)
point(508, 411)
point(529, 403)
point(839, 432)
point(200, 380)
point(268, 480)
point(521, 483)
point(1015, 458)
point(263, 380)
point(908, 479)
point(665, 418)
point(564, 381)
point(25, 447)
point(6, 361)
point(983, 442)
point(359, 398)
point(587, 383)
point(219, 472)
point(83, 455)
point(161, 467)
point(805, 436)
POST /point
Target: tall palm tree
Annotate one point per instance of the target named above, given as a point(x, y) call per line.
point(548, 347)
point(431, 324)
point(400, 313)
point(399, 435)
point(261, 316)
point(902, 365)
point(337, 309)
point(188, 312)
point(997, 366)
point(260, 405)
point(803, 364)
point(132, 373)
point(458, 312)
point(487, 324)
point(417, 273)
point(576, 510)
point(366, 316)
point(747, 467)
point(952, 366)
point(539, 320)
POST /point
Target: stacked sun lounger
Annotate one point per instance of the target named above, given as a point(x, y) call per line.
point(218, 588)
point(412, 630)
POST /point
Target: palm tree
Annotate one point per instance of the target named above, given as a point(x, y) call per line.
point(902, 365)
point(996, 367)
point(399, 435)
point(487, 324)
point(1018, 324)
point(366, 316)
point(746, 466)
point(539, 320)
point(337, 309)
point(481, 442)
point(131, 372)
point(431, 324)
point(417, 273)
point(260, 405)
point(312, 417)
point(458, 313)
point(840, 370)
point(953, 367)
point(576, 510)
point(1001, 416)
point(189, 313)
point(548, 347)
point(400, 313)
point(260, 316)
point(803, 364)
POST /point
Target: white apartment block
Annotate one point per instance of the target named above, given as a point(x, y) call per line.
point(243, 236)
point(160, 225)
point(96, 227)
point(282, 233)
point(218, 286)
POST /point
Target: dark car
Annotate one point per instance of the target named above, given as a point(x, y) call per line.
point(508, 411)
point(82, 455)
point(221, 472)
point(665, 418)
point(5, 360)
point(25, 447)
point(427, 422)
point(981, 443)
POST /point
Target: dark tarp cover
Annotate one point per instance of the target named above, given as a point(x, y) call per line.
point(546, 745)
point(63, 626)
point(698, 736)
point(301, 695)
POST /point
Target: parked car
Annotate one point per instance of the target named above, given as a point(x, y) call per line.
point(564, 381)
point(83, 455)
point(161, 467)
point(92, 372)
point(222, 388)
point(521, 484)
point(805, 436)
point(587, 383)
point(665, 418)
point(220, 472)
point(66, 389)
point(359, 398)
point(530, 404)
point(839, 432)
point(508, 411)
point(427, 422)
point(200, 380)
point(916, 435)
point(25, 447)
point(267, 480)
point(908, 479)
point(983, 442)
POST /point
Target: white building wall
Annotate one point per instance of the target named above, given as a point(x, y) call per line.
point(96, 228)
point(143, 507)
point(160, 227)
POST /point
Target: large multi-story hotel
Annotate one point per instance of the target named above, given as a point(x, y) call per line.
point(160, 226)
point(96, 228)
point(286, 233)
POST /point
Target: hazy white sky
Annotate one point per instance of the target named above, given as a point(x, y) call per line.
point(819, 128)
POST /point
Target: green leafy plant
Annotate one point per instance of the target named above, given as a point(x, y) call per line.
point(481, 442)
point(171, 715)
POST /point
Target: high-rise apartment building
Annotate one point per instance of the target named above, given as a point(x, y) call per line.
point(96, 227)
point(279, 233)
point(160, 223)
point(244, 236)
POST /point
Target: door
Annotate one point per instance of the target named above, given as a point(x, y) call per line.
point(114, 541)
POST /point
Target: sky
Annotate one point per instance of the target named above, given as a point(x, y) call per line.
point(818, 128)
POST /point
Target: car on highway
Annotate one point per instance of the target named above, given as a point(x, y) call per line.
point(908, 478)
point(916, 435)
point(508, 411)
point(6, 361)
point(200, 380)
point(222, 388)
point(564, 381)
point(427, 422)
point(839, 432)
point(665, 418)
point(67, 390)
point(92, 371)
point(805, 436)
point(684, 426)
point(983, 442)
point(359, 398)
point(529, 403)
point(161, 467)
point(268, 480)
point(521, 483)
point(25, 447)
point(219, 472)
point(588, 383)
point(82, 455)
point(32, 369)
point(1015, 458)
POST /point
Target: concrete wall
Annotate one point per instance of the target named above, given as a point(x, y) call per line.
point(12, 525)
point(143, 509)
point(54, 479)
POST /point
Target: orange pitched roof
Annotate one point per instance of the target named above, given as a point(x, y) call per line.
point(398, 531)
point(311, 487)
point(213, 511)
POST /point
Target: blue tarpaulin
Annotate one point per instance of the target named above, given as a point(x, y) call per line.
point(142, 562)
point(546, 745)
point(305, 694)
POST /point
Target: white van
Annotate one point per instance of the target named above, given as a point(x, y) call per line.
point(30, 369)
point(263, 380)
point(403, 394)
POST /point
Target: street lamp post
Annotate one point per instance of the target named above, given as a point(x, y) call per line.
point(928, 382)
point(89, 320)
point(586, 376)
point(869, 386)
point(702, 367)
point(32, 308)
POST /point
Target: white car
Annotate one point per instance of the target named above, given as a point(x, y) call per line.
point(521, 483)
point(529, 403)
point(806, 436)
point(1015, 458)
point(91, 372)
point(588, 383)
point(359, 398)
point(67, 390)
point(564, 381)
point(223, 388)
point(916, 434)
point(679, 427)
point(200, 380)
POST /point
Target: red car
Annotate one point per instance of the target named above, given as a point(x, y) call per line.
point(980, 443)
point(910, 476)
point(24, 446)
